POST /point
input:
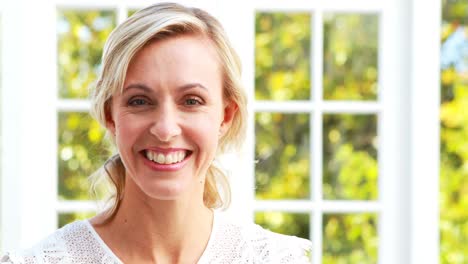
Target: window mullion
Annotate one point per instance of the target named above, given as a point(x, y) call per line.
point(317, 133)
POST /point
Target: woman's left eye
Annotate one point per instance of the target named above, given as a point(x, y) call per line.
point(193, 101)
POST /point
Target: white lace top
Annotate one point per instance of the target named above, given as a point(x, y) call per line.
point(229, 242)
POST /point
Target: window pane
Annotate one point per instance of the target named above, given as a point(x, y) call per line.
point(81, 152)
point(350, 238)
point(295, 224)
point(282, 56)
point(67, 218)
point(81, 37)
point(350, 57)
point(350, 168)
point(282, 155)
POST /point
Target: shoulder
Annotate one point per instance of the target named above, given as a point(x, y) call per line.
point(62, 246)
point(264, 246)
point(51, 247)
point(278, 248)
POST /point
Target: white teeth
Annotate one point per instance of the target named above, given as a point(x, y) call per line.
point(160, 158)
point(165, 159)
point(149, 155)
point(169, 159)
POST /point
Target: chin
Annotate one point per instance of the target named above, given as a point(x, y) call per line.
point(166, 191)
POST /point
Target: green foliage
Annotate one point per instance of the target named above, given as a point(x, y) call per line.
point(282, 153)
point(81, 38)
point(282, 52)
point(66, 218)
point(350, 238)
point(282, 145)
point(82, 150)
point(350, 57)
point(294, 224)
point(455, 11)
point(454, 146)
point(131, 12)
point(454, 176)
point(350, 157)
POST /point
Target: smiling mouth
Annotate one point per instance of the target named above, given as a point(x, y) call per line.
point(166, 158)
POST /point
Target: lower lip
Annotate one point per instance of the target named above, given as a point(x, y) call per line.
point(165, 167)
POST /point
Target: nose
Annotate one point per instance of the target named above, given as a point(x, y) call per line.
point(165, 125)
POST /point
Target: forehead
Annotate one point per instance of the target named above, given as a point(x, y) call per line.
point(176, 61)
point(191, 50)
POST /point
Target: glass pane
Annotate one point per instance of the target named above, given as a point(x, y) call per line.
point(67, 218)
point(350, 57)
point(350, 168)
point(82, 151)
point(350, 238)
point(282, 156)
point(81, 37)
point(282, 56)
point(294, 224)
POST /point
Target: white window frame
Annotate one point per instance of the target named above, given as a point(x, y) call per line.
point(407, 109)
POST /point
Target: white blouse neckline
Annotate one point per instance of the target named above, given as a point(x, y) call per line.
point(230, 241)
point(109, 251)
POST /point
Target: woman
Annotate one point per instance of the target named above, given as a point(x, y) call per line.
point(171, 100)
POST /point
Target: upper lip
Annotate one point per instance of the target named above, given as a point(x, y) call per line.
point(166, 150)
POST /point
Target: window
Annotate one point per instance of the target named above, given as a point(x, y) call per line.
point(82, 148)
point(317, 73)
point(317, 113)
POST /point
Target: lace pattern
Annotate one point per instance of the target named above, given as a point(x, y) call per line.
point(230, 243)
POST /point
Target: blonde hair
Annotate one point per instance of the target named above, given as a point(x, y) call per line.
point(157, 22)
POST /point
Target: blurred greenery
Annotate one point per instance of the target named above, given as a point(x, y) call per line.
point(294, 224)
point(131, 12)
point(350, 157)
point(350, 238)
point(454, 144)
point(282, 149)
point(82, 150)
point(282, 52)
point(350, 57)
point(66, 218)
point(455, 11)
point(282, 153)
point(81, 38)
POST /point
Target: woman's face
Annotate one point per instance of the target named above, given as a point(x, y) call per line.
point(168, 120)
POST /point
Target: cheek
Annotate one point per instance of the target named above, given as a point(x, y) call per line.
point(204, 130)
point(127, 129)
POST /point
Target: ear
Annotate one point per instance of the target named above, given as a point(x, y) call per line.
point(110, 124)
point(230, 109)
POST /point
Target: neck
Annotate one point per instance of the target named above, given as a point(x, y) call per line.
point(145, 229)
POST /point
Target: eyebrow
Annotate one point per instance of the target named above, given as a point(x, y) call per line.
point(137, 86)
point(145, 88)
point(192, 85)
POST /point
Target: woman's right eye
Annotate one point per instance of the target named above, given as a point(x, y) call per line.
point(137, 102)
